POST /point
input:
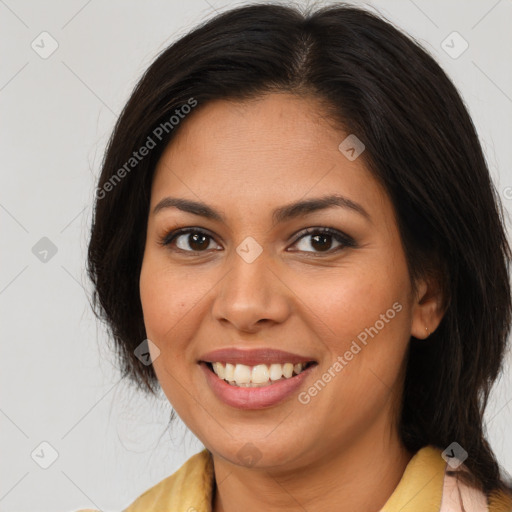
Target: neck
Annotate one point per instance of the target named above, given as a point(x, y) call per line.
point(359, 477)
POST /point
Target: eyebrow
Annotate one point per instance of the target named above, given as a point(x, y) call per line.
point(281, 214)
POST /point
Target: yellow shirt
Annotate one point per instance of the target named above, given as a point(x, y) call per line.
point(424, 487)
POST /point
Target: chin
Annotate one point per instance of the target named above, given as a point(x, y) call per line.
point(253, 452)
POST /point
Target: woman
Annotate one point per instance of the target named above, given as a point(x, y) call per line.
point(297, 238)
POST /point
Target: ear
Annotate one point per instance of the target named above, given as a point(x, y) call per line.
point(427, 309)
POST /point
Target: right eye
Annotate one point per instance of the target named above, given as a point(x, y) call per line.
point(197, 239)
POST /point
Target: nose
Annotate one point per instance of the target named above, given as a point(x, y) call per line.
point(252, 294)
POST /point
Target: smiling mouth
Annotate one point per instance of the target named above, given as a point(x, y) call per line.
point(241, 375)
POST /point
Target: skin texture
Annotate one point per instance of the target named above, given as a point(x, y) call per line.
point(340, 451)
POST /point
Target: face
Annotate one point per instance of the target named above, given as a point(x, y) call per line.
point(327, 284)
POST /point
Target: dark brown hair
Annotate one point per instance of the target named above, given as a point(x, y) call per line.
point(421, 145)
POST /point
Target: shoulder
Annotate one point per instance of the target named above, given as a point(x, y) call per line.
point(459, 495)
point(432, 481)
point(190, 487)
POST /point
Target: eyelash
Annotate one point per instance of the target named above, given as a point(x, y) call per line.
point(340, 237)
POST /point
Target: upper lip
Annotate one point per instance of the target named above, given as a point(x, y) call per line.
point(253, 356)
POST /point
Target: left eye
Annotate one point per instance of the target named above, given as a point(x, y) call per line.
point(322, 237)
point(199, 241)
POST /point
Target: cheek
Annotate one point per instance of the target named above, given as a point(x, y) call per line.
point(165, 299)
point(362, 314)
point(169, 306)
point(345, 306)
point(362, 320)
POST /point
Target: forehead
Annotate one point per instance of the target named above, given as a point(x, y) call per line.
point(271, 150)
point(278, 124)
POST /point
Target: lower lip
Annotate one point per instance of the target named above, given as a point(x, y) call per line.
point(254, 398)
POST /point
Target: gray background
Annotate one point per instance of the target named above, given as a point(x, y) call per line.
point(59, 382)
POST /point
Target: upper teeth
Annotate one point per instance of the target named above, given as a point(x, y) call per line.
point(255, 376)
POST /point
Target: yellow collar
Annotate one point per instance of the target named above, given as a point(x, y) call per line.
point(191, 487)
point(421, 487)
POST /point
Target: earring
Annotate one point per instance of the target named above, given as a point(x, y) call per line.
point(428, 334)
